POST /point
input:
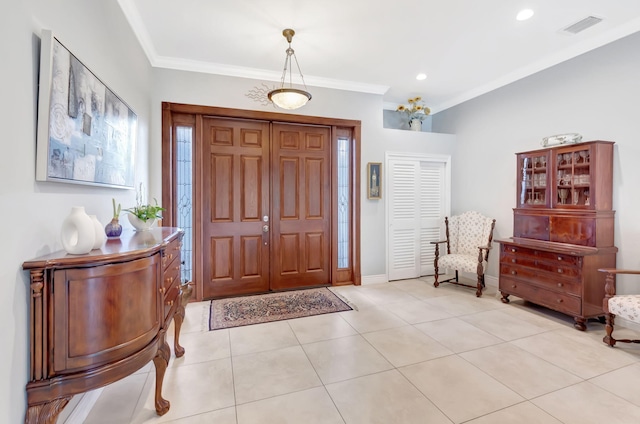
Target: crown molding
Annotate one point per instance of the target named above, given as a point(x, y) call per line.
point(261, 74)
point(569, 53)
point(135, 21)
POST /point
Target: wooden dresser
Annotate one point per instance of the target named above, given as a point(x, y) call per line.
point(99, 317)
point(563, 230)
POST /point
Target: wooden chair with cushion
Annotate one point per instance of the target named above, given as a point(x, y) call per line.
point(469, 237)
point(614, 305)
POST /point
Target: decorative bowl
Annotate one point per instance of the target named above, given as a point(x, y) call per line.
point(568, 138)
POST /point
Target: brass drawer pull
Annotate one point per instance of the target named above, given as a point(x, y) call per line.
point(560, 284)
point(514, 250)
point(514, 272)
point(513, 261)
point(170, 280)
point(162, 290)
point(559, 300)
point(170, 303)
point(513, 286)
point(560, 270)
point(559, 258)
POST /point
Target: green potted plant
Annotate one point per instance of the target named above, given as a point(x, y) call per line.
point(143, 215)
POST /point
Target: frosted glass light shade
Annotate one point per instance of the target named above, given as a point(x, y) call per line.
point(289, 98)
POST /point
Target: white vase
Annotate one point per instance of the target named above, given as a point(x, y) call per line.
point(415, 124)
point(139, 224)
point(78, 233)
point(101, 237)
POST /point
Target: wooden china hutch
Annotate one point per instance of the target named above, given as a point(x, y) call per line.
point(563, 228)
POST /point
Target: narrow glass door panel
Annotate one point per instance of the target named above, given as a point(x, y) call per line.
point(573, 178)
point(533, 180)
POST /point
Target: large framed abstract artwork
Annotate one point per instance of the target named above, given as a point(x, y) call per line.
point(86, 133)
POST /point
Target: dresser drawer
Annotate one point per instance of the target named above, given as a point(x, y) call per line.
point(171, 252)
point(172, 273)
point(512, 251)
point(551, 281)
point(171, 296)
point(558, 301)
point(530, 267)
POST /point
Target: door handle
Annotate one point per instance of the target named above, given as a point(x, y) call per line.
point(265, 228)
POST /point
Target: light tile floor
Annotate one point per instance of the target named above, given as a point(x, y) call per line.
point(411, 353)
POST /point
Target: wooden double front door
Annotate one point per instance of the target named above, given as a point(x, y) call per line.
point(266, 206)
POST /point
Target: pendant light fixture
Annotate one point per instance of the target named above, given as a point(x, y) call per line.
point(288, 97)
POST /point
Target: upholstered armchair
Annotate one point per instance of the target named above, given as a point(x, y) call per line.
point(468, 242)
point(614, 305)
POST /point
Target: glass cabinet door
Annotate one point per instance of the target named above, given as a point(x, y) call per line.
point(573, 178)
point(533, 180)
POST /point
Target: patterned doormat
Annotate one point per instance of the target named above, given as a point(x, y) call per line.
point(247, 310)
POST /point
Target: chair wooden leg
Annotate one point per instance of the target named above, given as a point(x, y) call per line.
point(435, 267)
point(479, 289)
point(608, 339)
point(480, 272)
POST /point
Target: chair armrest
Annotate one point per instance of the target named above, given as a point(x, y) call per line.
point(619, 271)
point(438, 242)
point(484, 247)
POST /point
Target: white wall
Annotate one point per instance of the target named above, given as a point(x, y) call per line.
point(32, 212)
point(595, 94)
point(222, 91)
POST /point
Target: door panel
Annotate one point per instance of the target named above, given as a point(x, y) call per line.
point(235, 190)
point(416, 212)
point(301, 206)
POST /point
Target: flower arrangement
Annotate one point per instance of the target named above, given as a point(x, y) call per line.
point(415, 110)
point(145, 212)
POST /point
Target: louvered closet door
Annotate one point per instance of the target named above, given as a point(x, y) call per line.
point(432, 210)
point(416, 194)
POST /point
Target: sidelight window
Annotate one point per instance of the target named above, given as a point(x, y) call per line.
point(344, 207)
point(184, 183)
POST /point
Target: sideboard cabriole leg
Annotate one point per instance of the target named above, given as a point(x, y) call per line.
point(580, 323)
point(46, 413)
point(185, 294)
point(505, 297)
point(161, 360)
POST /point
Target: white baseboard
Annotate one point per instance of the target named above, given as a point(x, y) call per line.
point(490, 280)
point(374, 279)
point(82, 409)
point(627, 324)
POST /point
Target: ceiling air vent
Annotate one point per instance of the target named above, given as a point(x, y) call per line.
point(580, 26)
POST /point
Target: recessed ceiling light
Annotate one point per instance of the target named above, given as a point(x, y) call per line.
point(524, 14)
point(421, 77)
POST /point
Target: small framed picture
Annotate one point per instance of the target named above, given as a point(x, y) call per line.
point(374, 180)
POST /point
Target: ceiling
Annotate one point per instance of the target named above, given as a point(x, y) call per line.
point(466, 47)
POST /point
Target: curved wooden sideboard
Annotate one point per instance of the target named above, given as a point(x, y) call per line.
point(99, 317)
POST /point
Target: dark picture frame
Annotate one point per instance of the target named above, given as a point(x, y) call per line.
point(86, 133)
point(374, 180)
